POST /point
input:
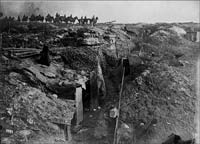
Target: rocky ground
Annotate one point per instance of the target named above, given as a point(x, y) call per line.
point(158, 96)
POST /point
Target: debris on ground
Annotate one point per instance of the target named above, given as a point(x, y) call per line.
point(158, 96)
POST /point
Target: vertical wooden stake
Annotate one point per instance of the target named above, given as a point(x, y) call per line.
point(1, 48)
point(69, 132)
point(79, 105)
point(65, 132)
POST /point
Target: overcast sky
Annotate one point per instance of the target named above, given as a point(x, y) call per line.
point(122, 12)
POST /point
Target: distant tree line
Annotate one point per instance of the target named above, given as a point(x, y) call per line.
point(51, 19)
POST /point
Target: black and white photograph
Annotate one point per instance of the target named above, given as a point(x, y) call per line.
point(99, 72)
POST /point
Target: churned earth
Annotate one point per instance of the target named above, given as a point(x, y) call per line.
point(158, 96)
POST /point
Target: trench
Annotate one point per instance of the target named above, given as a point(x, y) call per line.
point(97, 126)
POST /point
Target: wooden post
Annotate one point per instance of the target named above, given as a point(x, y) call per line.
point(116, 50)
point(67, 132)
point(79, 105)
point(115, 141)
point(1, 48)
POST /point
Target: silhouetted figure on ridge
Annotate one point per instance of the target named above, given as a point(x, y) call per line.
point(44, 56)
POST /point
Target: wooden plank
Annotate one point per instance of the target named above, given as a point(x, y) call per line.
point(79, 105)
point(59, 121)
point(13, 48)
point(115, 141)
point(65, 132)
point(24, 50)
point(25, 53)
point(1, 43)
point(69, 132)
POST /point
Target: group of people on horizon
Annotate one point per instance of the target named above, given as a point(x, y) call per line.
point(51, 19)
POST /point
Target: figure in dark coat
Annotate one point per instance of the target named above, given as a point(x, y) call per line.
point(1, 14)
point(18, 18)
point(127, 66)
point(45, 59)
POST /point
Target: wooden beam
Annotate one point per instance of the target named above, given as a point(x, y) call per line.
point(67, 132)
point(79, 105)
point(26, 49)
point(1, 48)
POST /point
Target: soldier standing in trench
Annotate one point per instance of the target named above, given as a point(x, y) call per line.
point(44, 56)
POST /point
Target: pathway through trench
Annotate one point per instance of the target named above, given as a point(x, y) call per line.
point(97, 127)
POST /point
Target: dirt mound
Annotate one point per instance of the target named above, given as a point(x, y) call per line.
point(80, 58)
point(158, 97)
point(164, 36)
point(31, 111)
point(162, 91)
point(178, 30)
